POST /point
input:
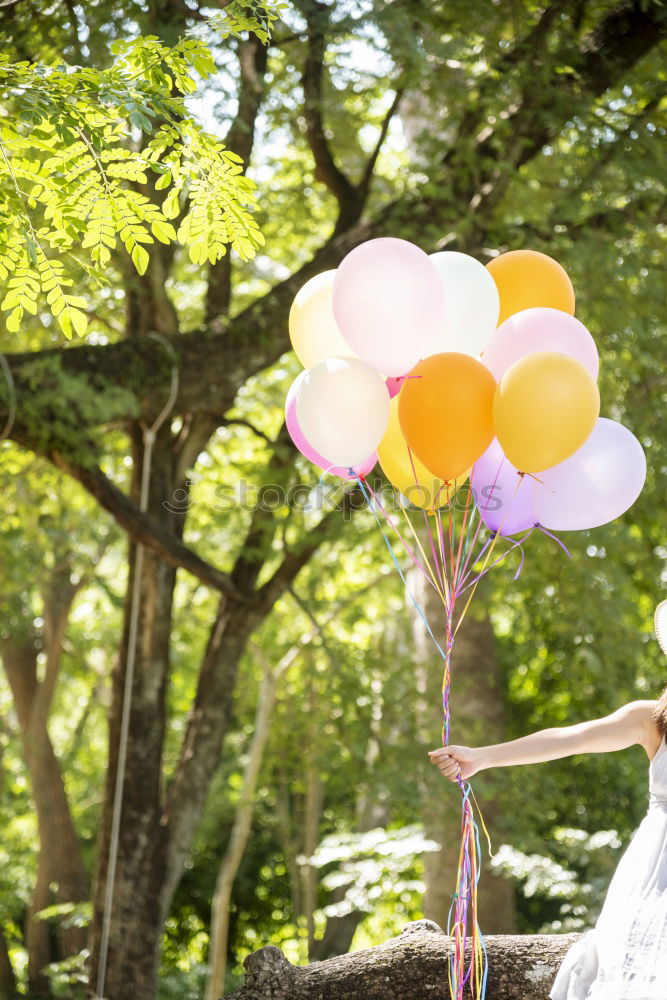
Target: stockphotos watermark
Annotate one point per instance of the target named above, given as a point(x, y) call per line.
point(307, 498)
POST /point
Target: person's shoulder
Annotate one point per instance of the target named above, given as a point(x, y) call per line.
point(642, 714)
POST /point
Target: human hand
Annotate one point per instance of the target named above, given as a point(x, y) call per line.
point(455, 762)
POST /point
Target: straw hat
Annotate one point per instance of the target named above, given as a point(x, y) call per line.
point(660, 621)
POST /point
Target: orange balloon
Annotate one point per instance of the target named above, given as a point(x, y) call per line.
point(445, 410)
point(545, 407)
point(528, 278)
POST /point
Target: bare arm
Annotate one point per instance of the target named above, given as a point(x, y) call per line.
point(630, 724)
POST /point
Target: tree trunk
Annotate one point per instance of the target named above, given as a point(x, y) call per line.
point(238, 840)
point(137, 913)
point(476, 717)
point(38, 936)
point(413, 966)
point(60, 861)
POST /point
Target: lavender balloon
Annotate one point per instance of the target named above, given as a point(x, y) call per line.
point(596, 484)
point(540, 329)
point(502, 496)
point(306, 449)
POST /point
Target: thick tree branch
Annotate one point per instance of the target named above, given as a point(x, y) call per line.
point(625, 35)
point(413, 966)
point(365, 183)
point(347, 195)
point(58, 597)
point(530, 47)
point(143, 529)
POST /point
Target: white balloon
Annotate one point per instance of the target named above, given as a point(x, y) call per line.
point(312, 326)
point(472, 302)
point(596, 484)
point(388, 303)
point(342, 406)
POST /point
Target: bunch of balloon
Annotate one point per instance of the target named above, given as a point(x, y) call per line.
point(487, 432)
point(585, 470)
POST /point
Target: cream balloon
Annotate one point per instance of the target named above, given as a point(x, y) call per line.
point(312, 325)
point(342, 406)
point(472, 302)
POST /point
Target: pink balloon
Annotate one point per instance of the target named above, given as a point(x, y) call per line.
point(541, 329)
point(389, 304)
point(394, 384)
point(596, 484)
point(306, 449)
point(503, 498)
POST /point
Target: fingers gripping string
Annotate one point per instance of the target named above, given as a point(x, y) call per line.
point(149, 438)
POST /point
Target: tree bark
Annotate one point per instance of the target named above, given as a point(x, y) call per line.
point(60, 859)
point(39, 940)
point(412, 966)
point(137, 912)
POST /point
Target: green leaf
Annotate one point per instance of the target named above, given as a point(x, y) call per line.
point(140, 258)
point(164, 231)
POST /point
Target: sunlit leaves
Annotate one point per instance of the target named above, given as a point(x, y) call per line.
point(84, 153)
point(257, 16)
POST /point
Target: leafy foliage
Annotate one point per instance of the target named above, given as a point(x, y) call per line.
point(83, 153)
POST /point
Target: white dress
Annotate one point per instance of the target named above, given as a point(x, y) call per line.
point(625, 956)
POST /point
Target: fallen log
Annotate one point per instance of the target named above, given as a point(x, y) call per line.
point(412, 966)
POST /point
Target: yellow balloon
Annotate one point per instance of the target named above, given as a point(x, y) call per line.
point(410, 476)
point(312, 327)
point(546, 405)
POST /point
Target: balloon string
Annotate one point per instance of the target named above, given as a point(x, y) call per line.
point(492, 546)
point(398, 567)
point(480, 522)
point(489, 552)
point(540, 527)
point(516, 543)
point(444, 595)
point(466, 511)
point(442, 553)
point(463, 923)
point(464, 578)
point(376, 501)
point(462, 920)
point(428, 529)
point(441, 570)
